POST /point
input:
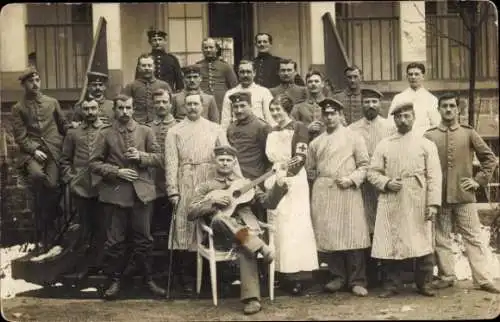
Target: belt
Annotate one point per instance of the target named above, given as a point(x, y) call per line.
point(195, 163)
point(419, 175)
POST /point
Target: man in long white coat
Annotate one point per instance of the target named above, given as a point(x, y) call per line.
point(406, 170)
point(189, 159)
point(337, 163)
point(373, 128)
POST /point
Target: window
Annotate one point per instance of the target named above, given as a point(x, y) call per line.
point(186, 29)
point(81, 13)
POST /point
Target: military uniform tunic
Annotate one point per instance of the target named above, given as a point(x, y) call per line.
point(217, 78)
point(106, 112)
point(141, 90)
point(297, 93)
point(167, 69)
point(307, 112)
point(352, 105)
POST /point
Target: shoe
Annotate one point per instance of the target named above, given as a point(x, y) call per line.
point(112, 291)
point(359, 291)
point(297, 289)
point(490, 287)
point(155, 289)
point(441, 284)
point(252, 307)
point(426, 291)
point(267, 254)
point(388, 293)
point(334, 286)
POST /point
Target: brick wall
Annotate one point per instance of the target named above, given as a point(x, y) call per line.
point(16, 217)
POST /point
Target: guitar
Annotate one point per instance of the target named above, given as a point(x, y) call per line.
point(243, 190)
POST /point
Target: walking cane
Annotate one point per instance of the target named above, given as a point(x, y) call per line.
point(171, 250)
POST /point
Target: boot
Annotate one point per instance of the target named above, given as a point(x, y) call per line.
point(112, 291)
point(154, 288)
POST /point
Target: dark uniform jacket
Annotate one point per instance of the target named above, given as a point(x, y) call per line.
point(249, 138)
point(109, 156)
point(106, 112)
point(352, 105)
point(38, 123)
point(77, 147)
point(307, 112)
point(456, 146)
point(141, 90)
point(160, 129)
point(167, 69)
point(267, 69)
point(217, 77)
point(210, 110)
point(297, 93)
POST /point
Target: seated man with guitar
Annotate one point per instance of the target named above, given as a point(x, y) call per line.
point(225, 202)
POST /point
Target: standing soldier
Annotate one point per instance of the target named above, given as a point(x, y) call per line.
point(167, 67)
point(217, 76)
point(351, 95)
point(188, 162)
point(266, 65)
point(97, 84)
point(142, 88)
point(410, 195)
point(287, 72)
point(373, 128)
point(77, 147)
point(309, 111)
point(39, 126)
point(121, 157)
point(456, 145)
point(192, 80)
point(337, 162)
point(163, 122)
point(248, 135)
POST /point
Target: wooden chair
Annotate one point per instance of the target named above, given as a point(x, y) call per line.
point(213, 256)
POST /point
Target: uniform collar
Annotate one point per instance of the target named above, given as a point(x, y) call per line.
point(445, 128)
point(96, 124)
point(249, 119)
point(287, 85)
point(311, 100)
point(264, 55)
point(224, 179)
point(164, 121)
point(196, 91)
point(146, 81)
point(101, 99)
point(349, 92)
point(132, 124)
point(158, 51)
point(38, 98)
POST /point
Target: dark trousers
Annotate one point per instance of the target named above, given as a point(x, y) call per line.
point(185, 267)
point(373, 271)
point(136, 221)
point(94, 222)
point(162, 214)
point(424, 266)
point(348, 266)
point(44, 181)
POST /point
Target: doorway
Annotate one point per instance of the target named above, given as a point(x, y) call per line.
point(233, 20)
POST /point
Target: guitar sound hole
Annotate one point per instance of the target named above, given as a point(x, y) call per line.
point(236, 194)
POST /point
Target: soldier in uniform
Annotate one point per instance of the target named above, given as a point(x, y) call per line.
point(309, 111)
point(456, 145)
point(167, 67)
point(162, 123)
point(121, 157)
point(77, 147)
point(97, 84)
point(39, 126)
point(248, 135)
point(287, 72)
point(351, 95)
point(142, 88)
point(373, 128)
point(217, 76)
point(242, 226)
point(266, 65)
point(192, 79)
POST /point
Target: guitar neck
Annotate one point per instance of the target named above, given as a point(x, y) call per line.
point(257, 181)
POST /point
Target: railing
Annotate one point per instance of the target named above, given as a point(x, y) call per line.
point(336, 58)
point(373, 45)
point(60, 53)
point(447, 58)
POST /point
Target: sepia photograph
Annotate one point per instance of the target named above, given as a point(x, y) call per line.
point(249, 161)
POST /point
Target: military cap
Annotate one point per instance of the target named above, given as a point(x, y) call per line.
point(332, 103)
point(405, 106)
point(369, 92)
point(225, 150)
point(191, 69)
point(156, 33)
point(97, 77)
point(28, 72)
point(241, 97)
